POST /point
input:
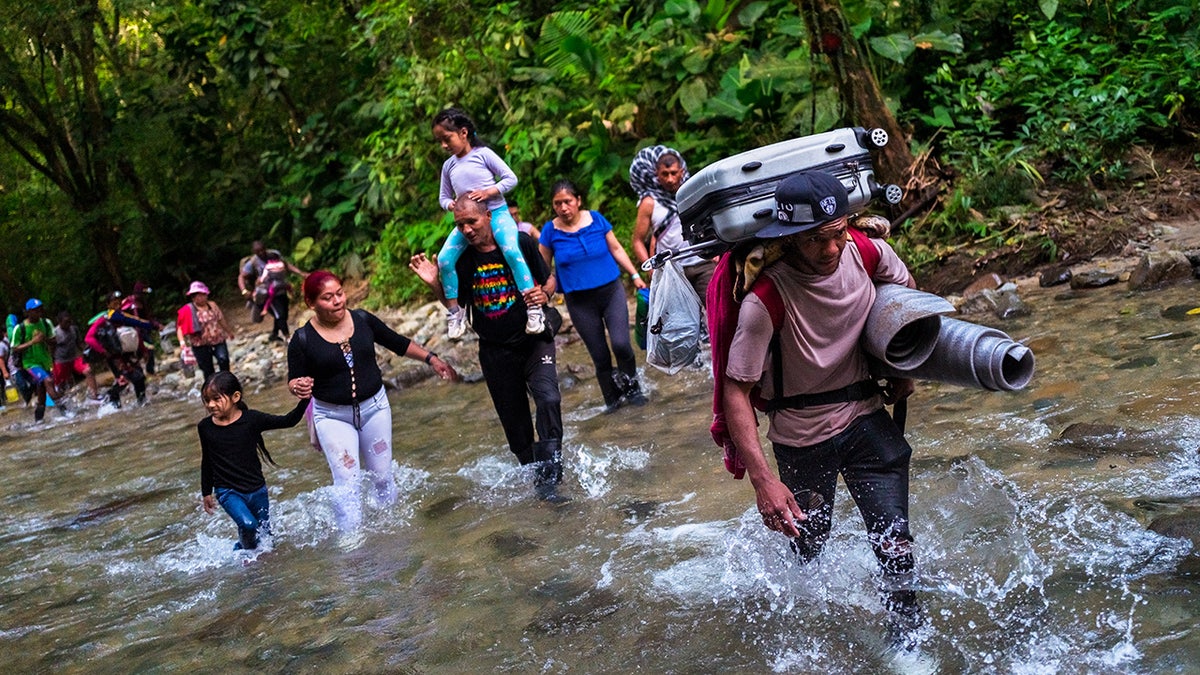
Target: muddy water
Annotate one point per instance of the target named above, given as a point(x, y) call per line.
point(1035, 558)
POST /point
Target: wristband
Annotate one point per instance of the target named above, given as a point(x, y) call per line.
point(429, 358)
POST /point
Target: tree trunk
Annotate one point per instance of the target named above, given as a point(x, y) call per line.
point(829, 34)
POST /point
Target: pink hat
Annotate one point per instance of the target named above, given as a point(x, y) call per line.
point(196, 287)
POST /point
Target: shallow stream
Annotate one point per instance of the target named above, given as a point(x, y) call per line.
point(1035, 557)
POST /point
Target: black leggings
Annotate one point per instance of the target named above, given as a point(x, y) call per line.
point(873, 458)
point(510, 372)
point(594, 310)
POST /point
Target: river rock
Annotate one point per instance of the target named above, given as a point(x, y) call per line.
point(1096, 440)
point(1094, 279)
point(1159, 268)
point(1054, 276)
point(1004, 303)
point(988, 282)
point(1184, 525)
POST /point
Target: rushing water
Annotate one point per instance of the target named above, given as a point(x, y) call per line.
point(1034, 560)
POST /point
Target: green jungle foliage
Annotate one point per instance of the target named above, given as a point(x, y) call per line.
point(155, 141)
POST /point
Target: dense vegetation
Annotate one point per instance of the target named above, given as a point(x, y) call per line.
point(154, 141)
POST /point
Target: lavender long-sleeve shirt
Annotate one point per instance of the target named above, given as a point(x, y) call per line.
point(481, 168)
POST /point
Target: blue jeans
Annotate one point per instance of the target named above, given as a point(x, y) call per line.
point(250, 511)
point(205, 355)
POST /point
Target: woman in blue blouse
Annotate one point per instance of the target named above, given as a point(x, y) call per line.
point(589, 260)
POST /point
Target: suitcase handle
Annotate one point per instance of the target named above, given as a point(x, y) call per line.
point(751, 166)
point(836, 147)
point(762, 213)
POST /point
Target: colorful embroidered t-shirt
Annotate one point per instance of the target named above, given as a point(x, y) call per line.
point(497, 310)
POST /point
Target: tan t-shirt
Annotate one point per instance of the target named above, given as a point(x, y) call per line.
point(819, 341)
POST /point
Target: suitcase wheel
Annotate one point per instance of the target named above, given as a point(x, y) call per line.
point(878, 137)
point(893, 194)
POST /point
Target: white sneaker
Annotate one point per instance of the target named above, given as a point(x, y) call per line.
point(456, 323)
point(536, 320)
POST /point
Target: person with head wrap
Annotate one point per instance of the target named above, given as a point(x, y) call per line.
point(655, 175)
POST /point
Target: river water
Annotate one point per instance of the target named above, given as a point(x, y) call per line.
point(1034, 559)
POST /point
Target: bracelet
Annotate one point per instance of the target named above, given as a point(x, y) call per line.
point(634, 275)
point(429, 357)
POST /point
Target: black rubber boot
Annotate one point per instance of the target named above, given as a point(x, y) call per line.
point(548, 470)
point(611, 390)
point(39, 412)
point(631, 389)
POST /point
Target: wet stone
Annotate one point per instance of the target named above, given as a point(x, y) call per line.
point(1094, 440)
point(1185, 525)
point(1054, 276)
point(1159, 268)
point(1094, 279)
point(1137, 362)
point(1182, 312)
point(511, 544)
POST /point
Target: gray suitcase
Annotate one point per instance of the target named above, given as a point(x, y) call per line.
point(731, 199)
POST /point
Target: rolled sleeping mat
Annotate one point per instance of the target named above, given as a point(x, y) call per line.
point(971, 355)
point(903, 325)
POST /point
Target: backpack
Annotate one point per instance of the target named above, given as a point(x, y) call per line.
point(109, 337)
point(722, 324)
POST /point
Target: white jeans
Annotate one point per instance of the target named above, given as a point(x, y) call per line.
point(350, 450)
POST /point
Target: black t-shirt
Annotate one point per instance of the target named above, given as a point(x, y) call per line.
point(488, 290)
point(310, 355)
point(229, 454)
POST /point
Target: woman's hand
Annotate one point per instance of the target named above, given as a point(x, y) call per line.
point(443, 369)
point(638, 282)
point(209, 502)
point(301, 387)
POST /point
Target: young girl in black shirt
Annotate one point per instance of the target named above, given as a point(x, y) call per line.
point(230, 444)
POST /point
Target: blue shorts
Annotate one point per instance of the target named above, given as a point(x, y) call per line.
point(37, 374)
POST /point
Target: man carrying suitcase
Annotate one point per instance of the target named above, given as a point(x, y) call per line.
point(656, 174)
point(826, 412)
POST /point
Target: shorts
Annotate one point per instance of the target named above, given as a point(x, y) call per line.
point(65, 371)
point(37, 375)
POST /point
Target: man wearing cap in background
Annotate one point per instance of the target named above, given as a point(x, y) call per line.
point(201, 327)
point(32, 340)
point(124, 363)
point(828, 419)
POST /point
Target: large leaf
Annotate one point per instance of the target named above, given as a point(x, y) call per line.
point(692, 95)
point(939, 41)
point(895, 47)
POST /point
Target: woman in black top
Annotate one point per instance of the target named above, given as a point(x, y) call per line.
point(230, 444)
point(332, 359)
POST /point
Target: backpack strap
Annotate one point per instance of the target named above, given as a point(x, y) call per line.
point(766, 291)
point(870, 255)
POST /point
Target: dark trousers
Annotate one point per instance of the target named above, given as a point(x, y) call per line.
point(205, 355)
point(872, 457)
point(130, 369)
point(593, 312)
point(513, 374)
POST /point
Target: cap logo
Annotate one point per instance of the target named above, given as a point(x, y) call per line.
point(829, 205)
point(793, 213)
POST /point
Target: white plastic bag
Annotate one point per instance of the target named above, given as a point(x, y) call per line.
point(674, 323)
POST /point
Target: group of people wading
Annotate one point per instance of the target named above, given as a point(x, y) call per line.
point(790, 339)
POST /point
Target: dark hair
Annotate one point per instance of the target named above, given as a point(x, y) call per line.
point(225, 383)
point(668, 158)
point(315, 281)
point(564, 184)
point(274, 255)
point(455, 119)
